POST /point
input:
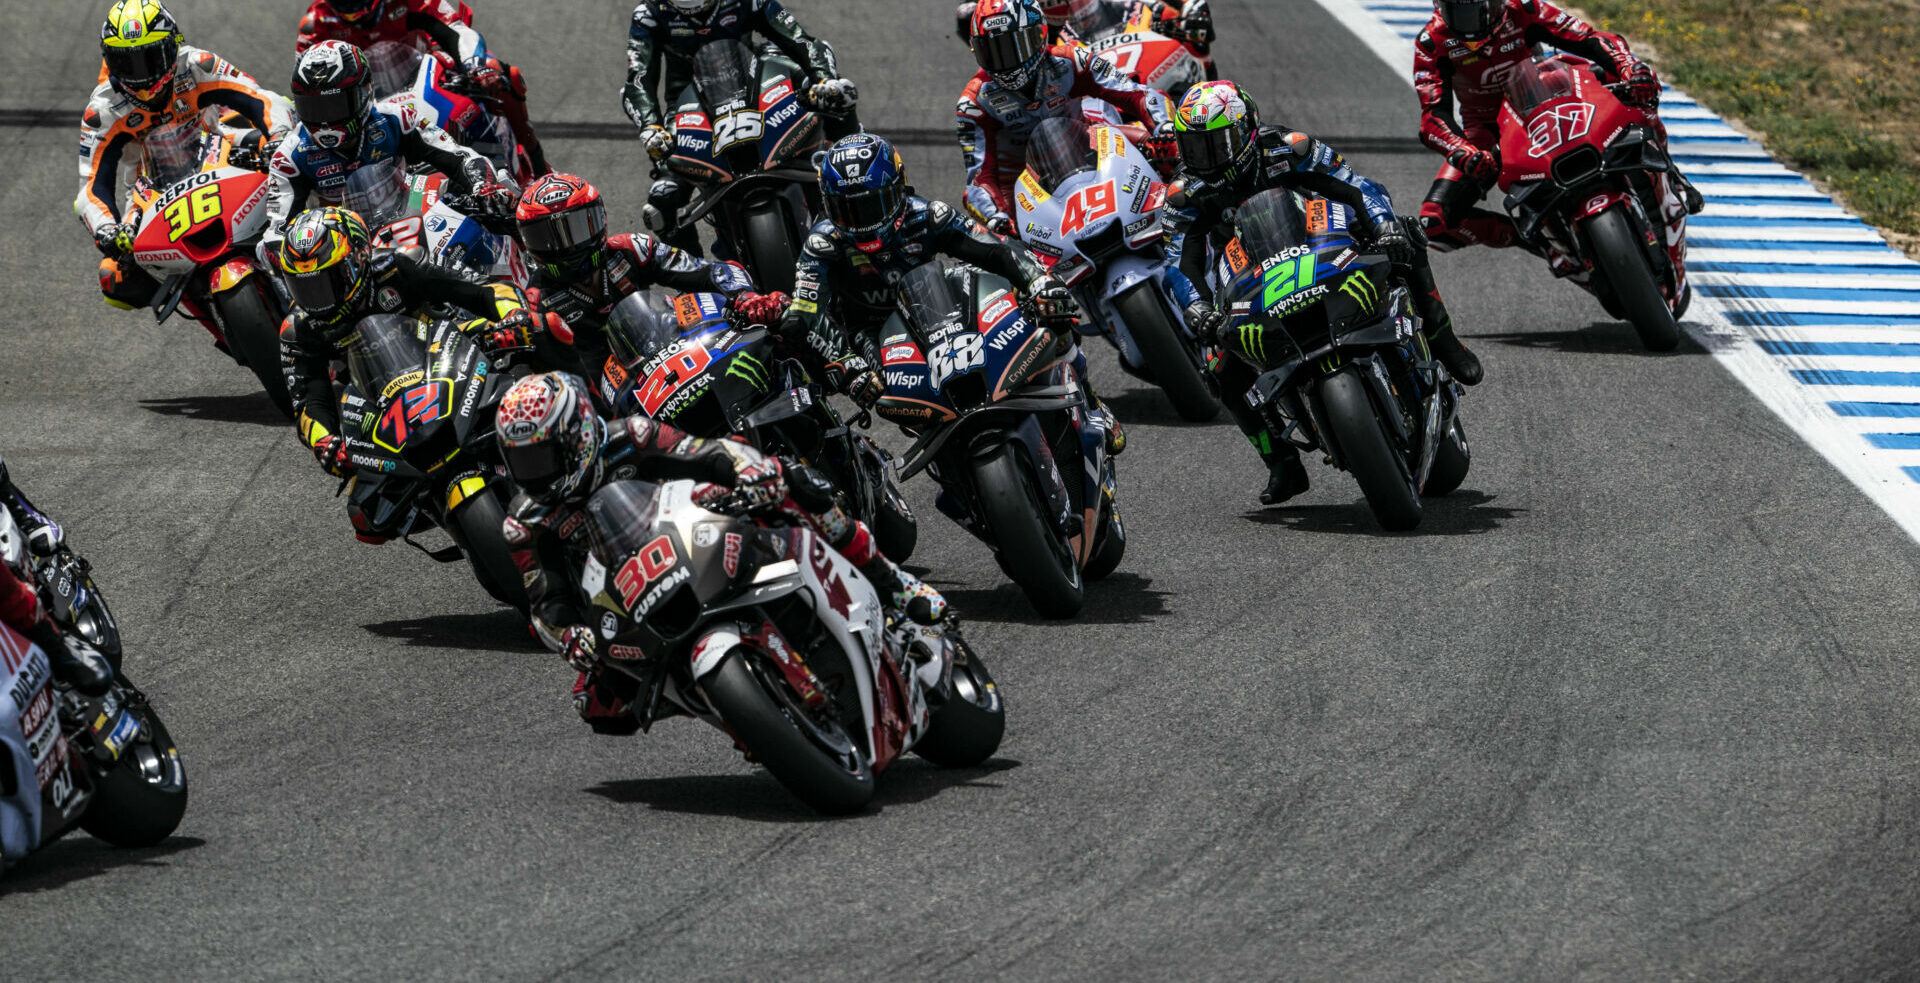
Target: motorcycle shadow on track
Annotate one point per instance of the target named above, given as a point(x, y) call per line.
point(1120, 598)
point(1463, 513)
point(756, 797)
point(503, 630)
point(1148, 407)
point(76, 859)
point(244, 408)
point(1599, 337)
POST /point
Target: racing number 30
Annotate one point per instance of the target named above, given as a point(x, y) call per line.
point(1089, 205)
point(200, 206)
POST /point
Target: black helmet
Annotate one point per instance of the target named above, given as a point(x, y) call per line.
point(333, 93)
point(1472, 21)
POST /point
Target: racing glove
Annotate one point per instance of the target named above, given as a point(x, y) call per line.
point(1052, 301)
point(757, 478)
point(577, 646)
point(489, 82)
point(333, 456)
point(114, 239)
point(1204, 321)
point(513, 332)
point(658, 141)
point(1393, 241)
point(834, 96)
point(1479, 165)
point(1643, 87)
point(851, 374)
point(761, 308)
point(1000, 224)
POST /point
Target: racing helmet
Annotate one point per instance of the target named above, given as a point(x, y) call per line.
point(355, 11)
point(563, 223)
point(333, 93)
point(863, 183)
point(140, 42)
point(692, 8)
point(550, 436)
point(1009, 40)
point(1472, 21)
point(325, 263)
point(1216, 125)
point(1059, 12)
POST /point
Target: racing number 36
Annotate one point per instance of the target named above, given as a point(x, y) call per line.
point(185, 213)
point(1089, 205)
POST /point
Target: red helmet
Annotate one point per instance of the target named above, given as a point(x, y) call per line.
point(563, 224)
point(1009, 38)
point(355, 11)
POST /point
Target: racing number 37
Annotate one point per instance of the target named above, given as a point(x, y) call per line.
point(201, 206)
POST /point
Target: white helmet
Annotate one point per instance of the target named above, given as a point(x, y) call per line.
point(692, 8)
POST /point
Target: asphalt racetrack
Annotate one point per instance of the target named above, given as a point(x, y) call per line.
point(1636, 703)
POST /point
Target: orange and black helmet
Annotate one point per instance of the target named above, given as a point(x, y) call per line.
point(563, 223)
point(325, 262)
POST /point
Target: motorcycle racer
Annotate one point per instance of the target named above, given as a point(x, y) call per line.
point(335, 279)
point(342, 129)
point(154, 83)
point(580, 272)
point(1022, 81)
point(425, 24)
point(1188, 21)
point(559, 451)
point(1465, 54)
point(74, 662)
point(1227, 157)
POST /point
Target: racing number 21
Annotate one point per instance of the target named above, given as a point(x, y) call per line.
point(1089, 205)
point(185, 213)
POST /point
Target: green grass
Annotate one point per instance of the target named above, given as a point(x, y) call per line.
point(1832, 86)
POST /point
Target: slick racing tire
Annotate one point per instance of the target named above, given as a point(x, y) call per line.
point(1450, 462)
point(1158, 334)
point(1623, 260)
point(1031, 552)
point(480, 519)
point(895, 532)
point(966, 729)
point(1363, 445)
point(771, 250)
point(140, 801)
point(1107, 556)
point(253, 334)
point(815, 759)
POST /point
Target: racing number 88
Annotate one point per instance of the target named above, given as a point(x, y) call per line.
point(201, 206)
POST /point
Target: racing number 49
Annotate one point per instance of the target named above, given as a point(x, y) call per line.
point(185, 213)
point(1089, 205)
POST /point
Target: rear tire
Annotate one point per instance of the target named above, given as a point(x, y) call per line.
point(1450, 461)
point(480, 519)
point(140, 801)
point(1034, 555)
point(771, 250)
point(762, 725)
point(1623, 260)
point(253, 334)
point(967, 729)
point(1157, 333)
point(1362, 440)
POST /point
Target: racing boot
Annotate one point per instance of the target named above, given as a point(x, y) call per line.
point(1462, 363)
point(661, 213)
point(905, 592)
point(44, 536)
point(74, 662)
point(1286, 475)
point(1438, 324)
point(1101, 414)
point(605, 701)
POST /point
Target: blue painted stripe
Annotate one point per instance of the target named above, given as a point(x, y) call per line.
point(1912, 472)
point(1855, 377)
point(1708, 220)
point(1896, 442)
point(1785, 245)
point(1783, 319)
point(1891, 410)
point(1811, 293)
point(1806, 269)
point(1868, 348)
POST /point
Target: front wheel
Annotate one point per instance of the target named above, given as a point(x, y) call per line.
point(771, 249)
point(140, 801)
point(1450, 461)
point(1364, 448)
point(967, 729)
point(814, 759)
point(253, 334)
point(1623, 260)
point(480, 519)
point(1031, 552)
point(1157, 333)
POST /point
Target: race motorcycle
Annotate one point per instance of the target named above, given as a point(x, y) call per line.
point(681, 360)
point(744, 134)
point(1089, 205)
point(778, 640)
point(199, 208)
point(415, 213)
point(1588, 185)
point(68, 761)
point(418, 420)
point(997, 413)
point(1345, 368)
point(434, 85)
point(1132, 43)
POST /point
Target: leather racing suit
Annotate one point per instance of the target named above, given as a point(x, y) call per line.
point(113, 134)
point(428, 24)
point(20, 607)
point(995, 123)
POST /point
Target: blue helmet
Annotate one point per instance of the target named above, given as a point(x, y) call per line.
point(864, 185)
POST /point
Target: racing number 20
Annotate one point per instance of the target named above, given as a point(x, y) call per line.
point(1089, 205)
point(681, 367)
point(185, 213)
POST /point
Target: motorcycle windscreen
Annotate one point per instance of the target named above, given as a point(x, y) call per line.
point(1533, 84)
point(1095, 19)
point(934, 302)
point(395, 66)
point(1060, 148)
point(725, 74)
point(377, 192)
point(620, 520)
point(178, 150)
point(1270, 223)
point(642, 325)
point(388, 347)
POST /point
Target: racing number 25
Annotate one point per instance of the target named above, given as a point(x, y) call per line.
point(1089, 205)
point(185, 213)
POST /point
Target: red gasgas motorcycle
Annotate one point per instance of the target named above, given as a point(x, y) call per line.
point(1588, 184)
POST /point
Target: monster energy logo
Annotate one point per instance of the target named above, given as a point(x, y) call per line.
point(1253, 339)
point(1360, 287)
point(745, 366)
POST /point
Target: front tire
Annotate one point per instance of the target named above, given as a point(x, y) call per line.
point(1157, 333)
point(253, 333)
point(770, 248)
point(1623, 260)
point(1450, 461)
point(1362, 440)
point(967, 729)
point(775, 729)
point(140, 801)
point(480, 519)
point(1034, 555)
